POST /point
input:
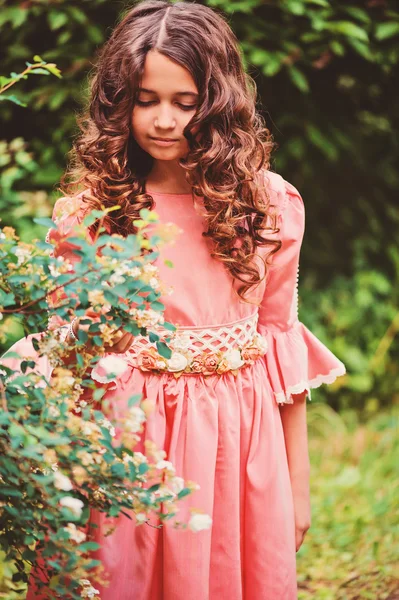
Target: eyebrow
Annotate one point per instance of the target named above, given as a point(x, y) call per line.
point(193, 94)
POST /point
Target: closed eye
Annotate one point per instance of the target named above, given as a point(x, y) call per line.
point(182, 106)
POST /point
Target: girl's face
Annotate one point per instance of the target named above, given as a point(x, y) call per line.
point(167, 100)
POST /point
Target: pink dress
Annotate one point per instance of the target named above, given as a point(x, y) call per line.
point(224, 431)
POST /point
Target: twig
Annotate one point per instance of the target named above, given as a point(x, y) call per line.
point(22, 75)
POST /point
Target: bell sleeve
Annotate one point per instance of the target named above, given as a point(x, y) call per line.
point(296, 360)
point(67, 214)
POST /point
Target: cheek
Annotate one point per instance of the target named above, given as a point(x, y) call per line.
point(138, 123)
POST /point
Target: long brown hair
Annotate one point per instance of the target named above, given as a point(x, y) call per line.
point(225, 166)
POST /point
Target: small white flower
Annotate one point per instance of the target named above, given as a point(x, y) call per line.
point(74, 533)
point(116, 278)
point(176, 484)
point(88, 590)
point(141, 518)
point(89, 428)
point(138, 458)
point(22, 254)
point(233, 358)
point(62, 482)
point(177, 362)
point(150, 269)
point(147, 318)
point(135, 419)
point(199, 521)
point(154, 283)
point(86, 458)
point(53, 411)
point(74, 504)
point(165, 464)
point(135, 272)
point(113, 365)
point(108, 425)
point(160, 364)
point(54, 271)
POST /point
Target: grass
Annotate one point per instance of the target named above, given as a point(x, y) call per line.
point(351, 550)
point(352, 547)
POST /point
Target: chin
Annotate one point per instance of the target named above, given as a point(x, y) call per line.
point(164, 154)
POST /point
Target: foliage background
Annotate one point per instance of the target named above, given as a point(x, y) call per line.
point(325, 72)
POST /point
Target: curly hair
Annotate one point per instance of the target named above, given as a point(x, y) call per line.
point(225, 165)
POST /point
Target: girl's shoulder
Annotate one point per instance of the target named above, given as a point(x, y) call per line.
point(68, 212)
point(280, 192)
point(69, 209)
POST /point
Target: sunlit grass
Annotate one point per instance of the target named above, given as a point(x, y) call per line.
point(351, 551)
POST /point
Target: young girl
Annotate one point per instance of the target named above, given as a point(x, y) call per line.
point(172, 126)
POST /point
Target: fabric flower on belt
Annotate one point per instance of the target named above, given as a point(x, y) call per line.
point(177, 362)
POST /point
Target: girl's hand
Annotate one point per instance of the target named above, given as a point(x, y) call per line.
point(123, 341)
point(302, 515)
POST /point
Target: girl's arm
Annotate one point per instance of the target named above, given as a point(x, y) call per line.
point(293, 418)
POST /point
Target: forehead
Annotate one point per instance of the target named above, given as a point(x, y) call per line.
point(164, 76)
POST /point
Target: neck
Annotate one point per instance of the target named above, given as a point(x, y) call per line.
point(168, 176)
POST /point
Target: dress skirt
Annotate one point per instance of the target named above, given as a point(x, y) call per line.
point(225, 434)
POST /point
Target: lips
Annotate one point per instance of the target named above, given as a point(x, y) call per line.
point(164, 139)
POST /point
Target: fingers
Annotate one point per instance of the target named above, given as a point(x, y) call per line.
point(299, 537)
point(123, 341)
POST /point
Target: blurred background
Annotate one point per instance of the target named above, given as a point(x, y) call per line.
point(326, 74)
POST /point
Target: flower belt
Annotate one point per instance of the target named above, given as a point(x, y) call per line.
point(201, 351)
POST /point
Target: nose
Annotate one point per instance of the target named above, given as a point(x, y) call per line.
point(165, 118)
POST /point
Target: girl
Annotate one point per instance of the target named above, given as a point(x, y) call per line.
point(172, 126)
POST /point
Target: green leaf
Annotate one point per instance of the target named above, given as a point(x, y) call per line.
point(157, 306)
point(39, 71)
point(322, 142)
point(323, 3)
point(259, 57)
point(384, 31)
point(361, 48)
point(54, 70)
point(299, 79)
point(294, 6)
point(153, 337)
point(45, 221)
point(273, 64)
point(133, 400)
point(358, 13)
point(57, 19)
point(38, 58)
point(4, 80)
point(169, 326)
point(86, 546)
point(337, 47)
point(164, 350)
point(348, 29)
point(77, 14)
point(13, 99)
point(184, 492)
point(119, 470)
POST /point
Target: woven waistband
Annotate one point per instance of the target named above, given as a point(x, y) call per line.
point(201, 351)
